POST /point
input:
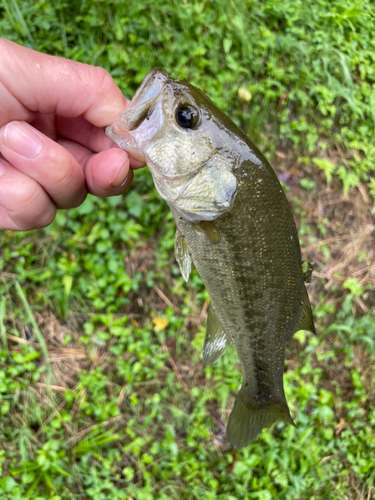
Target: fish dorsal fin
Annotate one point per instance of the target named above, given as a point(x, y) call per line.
point(216, 340)
point(305, 320)
point(182, 254)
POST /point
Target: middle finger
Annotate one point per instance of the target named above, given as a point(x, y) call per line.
point(45, 161)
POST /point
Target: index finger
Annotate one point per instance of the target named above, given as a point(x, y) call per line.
point(35, 82)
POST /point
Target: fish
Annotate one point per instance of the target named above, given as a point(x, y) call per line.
point(235, 225)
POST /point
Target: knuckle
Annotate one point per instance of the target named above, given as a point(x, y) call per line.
point(104, 81)
point(64, 175)
point(28, 194)
point(34, 209)
point(66, 184)
point(79, 200)
point(45, 218)
point(66, 171)
point(74, 201)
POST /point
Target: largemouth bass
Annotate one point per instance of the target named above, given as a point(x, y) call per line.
point(235, 225)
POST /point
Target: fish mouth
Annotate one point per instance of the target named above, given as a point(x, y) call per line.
point(140, 108)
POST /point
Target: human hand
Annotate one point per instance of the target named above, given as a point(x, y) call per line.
point(53, 148)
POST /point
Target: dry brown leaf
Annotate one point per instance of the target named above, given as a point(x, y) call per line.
point(340, 426)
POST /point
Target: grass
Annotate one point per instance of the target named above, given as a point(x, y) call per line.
point(103, 393)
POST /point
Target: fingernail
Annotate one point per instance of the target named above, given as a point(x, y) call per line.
point(21, 137)
point(122, 176)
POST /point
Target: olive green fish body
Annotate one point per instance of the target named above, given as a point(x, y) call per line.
point(234, 223)
point(254, 280)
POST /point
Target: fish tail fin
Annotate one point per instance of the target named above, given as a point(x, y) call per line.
point(247, 421)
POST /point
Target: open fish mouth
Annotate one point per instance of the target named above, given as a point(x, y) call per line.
point(165, 128)
point(140, 108)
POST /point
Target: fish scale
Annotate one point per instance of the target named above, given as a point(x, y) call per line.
point(244, 308)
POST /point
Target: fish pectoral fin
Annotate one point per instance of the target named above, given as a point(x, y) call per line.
point(246, 421)
point(182, 254)
point(216, 340)
point(306, 318)
point(209, 229)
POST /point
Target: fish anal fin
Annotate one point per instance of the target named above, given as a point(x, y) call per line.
point(182, 254)
point(306, 321)
point(216, 340)
point(247, 421)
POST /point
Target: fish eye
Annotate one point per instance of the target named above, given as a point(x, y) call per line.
point(187, 116)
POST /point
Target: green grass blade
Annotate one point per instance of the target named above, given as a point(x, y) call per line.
point(3, 332)
point(35, 326)
point(33, 486)
point(22, 22)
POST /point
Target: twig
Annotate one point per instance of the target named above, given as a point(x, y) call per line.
point(121, 396)
point(64, 356)
point(54, 387)
point(176, 370)
point(204, 309)
point(165, 299)
point(79, 435)
point(217, 422)
point(20, 340)
point(8, 275)
point(58, 355)
point(54, 414)
point(342, 156)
